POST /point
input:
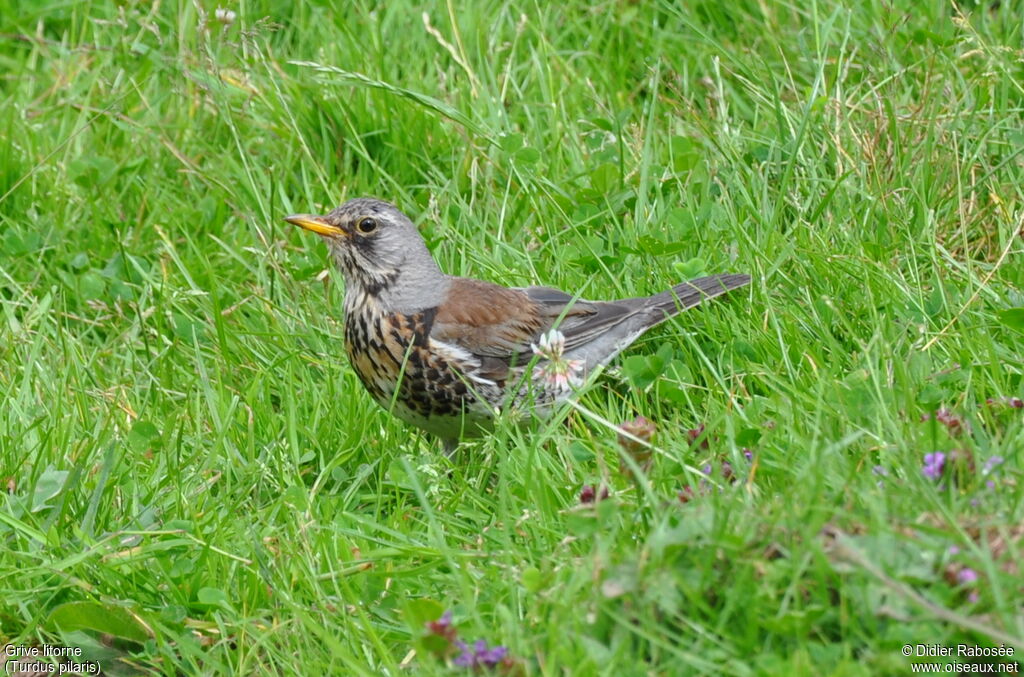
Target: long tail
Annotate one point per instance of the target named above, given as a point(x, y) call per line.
point(654, 310)
point(688, 294)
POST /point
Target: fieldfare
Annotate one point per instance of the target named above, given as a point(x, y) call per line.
point(446, 353)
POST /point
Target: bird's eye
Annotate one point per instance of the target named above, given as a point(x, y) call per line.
point(367, 225)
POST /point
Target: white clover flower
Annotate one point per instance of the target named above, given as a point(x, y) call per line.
point(225, 16)
point(556, 373)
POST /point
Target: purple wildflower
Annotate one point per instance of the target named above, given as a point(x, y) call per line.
point(748, 454)
point(695, 433)
point(953, 550)
point(954, 424)
point(991, 464)
point(640, 428)
point(880, 471)
point(966, 576)
point(1012, 402)
point(443, 627)
point(934, 464)
point(479, 655)
point(727, 472)
point(705, 470)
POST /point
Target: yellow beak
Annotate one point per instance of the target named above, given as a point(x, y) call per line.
point(315, 224)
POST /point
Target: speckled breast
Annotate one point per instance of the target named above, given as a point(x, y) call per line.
point(394, 352)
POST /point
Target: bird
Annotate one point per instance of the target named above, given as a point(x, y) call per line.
point(447, 354)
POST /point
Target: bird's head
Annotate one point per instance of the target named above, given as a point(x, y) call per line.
point(377, 248)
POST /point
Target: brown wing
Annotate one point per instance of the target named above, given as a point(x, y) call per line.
point(585, 319)
point(498, 324)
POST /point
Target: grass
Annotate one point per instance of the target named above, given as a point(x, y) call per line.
point(196, 482)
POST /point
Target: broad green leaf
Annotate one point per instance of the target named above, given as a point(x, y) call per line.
point(98, 617)
point(50, 484)
point(1012, 318)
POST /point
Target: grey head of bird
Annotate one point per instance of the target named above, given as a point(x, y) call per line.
point(380, 253)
